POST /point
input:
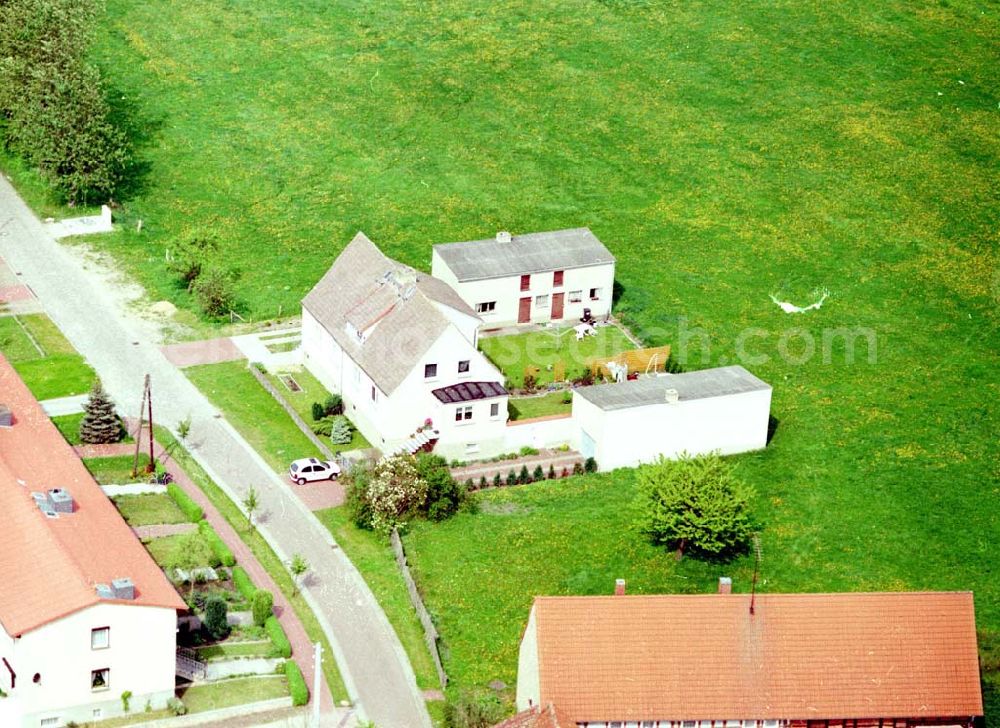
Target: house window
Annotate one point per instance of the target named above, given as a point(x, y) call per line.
point(486, 307)
point(49, 721)
point(100, 638)
point(430, 371)
point(575, 296)
point(557, 278)
point(495, 409)
point(471, 447)
point(595, 294)
point(100, 679)
point(463, 366)
point(525, 282)
point(97, 714)
point(541, 301)
point(463, 413)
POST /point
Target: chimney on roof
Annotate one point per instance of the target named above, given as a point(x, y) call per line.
point(61, 500)
point(670, 396)
point(725, 585)
point(619, 587)
point(123, 588)
point(503, 236)
point(6, 416)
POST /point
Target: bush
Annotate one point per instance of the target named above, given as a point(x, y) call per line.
point(282, 647)
point(356, 496)
point(187, 505)
point(341, 430)
point(565, 472)
point(527, 451)
point(318, 412)
point(241, 580)
point(590, 465)
point(497, 481)
point(215, 618)
point(190, 254)
point(586, 378)
point(100, 424)
point(296, 683)
point(538, 473)
point(530, 383)
point(483, 482)
point(474, 710)
point(219, 548)
point(552, 472)
point(524, 476)
point(511, 478)
point(334, 405)
point(262, 606)
point(577, 468)
point(214, 291)
point(176, 706)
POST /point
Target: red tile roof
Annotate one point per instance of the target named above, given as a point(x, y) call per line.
point(537, 717)
point(799, 656)
point(48, 567)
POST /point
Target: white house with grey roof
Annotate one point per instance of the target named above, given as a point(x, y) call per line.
point(531, 278)
point(624, 424)
point(400, 347)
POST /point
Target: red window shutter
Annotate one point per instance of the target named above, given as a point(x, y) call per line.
point(525, 282)
point(557, 278)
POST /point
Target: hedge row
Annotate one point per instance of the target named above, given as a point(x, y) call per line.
point(278, 637)
point(187, 505)
point(241, 580)
point(219, 547)
point(296, 683)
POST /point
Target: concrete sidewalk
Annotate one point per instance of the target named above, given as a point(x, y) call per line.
point(86, 303)
point(64, 405)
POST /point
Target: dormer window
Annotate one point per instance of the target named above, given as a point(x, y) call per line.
point(430, 371)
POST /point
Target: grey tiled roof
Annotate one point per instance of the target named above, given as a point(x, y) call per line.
point(363, 287)
point(689, 385)
point(529, 253)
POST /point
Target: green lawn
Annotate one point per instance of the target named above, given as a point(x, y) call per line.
point(235, 649)
point(373, 557)
point(223, 694)
point(43, 357)
point(69, 426)
point(268, 559)
point(543, 349)
point(149, 509)
point(164, 549)
point(523, 408)
point(254, 412)
point(118, 469)
point(312, 391)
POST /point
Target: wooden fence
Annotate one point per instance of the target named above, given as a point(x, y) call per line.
point(431, 636)
point(651, 359)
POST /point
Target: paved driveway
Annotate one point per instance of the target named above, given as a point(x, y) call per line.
point(122, 348)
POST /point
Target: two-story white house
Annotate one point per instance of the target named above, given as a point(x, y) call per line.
point(532, 278)
point(400, 347)
point(85, 613)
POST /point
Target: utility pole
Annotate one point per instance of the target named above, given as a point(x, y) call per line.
point(146, 404)
point(317, 678)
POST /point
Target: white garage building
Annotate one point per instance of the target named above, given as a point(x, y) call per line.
point(628, 423)
point(532, 278)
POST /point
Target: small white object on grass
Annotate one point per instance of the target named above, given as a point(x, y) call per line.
point(792, 308)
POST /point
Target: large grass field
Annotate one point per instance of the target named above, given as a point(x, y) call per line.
point(724, 152)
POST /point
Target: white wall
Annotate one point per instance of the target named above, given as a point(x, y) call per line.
point(141, 658)
point(507, 292)
point(543, 433)
point(628, 437)
point(528, 685)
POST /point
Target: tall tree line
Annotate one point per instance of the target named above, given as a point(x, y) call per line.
point(53, 109)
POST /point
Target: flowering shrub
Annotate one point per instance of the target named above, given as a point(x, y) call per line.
point(395, 491)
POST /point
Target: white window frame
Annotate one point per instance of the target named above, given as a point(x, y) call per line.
point(107, 680)
point(106, 631)
point(494, 406)
point(468, 367)
point(463, 414)
point(486, 307)
point(576, 296)
point(542, 301)
point(433, 375)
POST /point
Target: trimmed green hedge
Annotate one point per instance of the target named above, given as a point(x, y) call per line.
point(219, 547)
point(190, 509)
point(296, 683)
point(241, 580)
point(278, 637)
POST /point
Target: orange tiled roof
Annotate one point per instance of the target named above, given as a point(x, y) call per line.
point(537, 717)
point(800, 656)
point(48, 567)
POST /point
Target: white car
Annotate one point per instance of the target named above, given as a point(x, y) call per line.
point(309, 469)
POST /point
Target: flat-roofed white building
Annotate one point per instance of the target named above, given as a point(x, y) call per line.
point(624, 424)
point(85, 612)
point(531, 278)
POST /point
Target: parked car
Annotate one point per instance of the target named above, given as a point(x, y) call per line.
point(309, 469)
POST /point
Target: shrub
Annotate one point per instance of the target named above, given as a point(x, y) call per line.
point(586, 378)
point(187, 505)
point(567, 397)
point(262, 606)
point(340, 430)
point(100, 424)
point(356, 496)
point(474, 710)
point(214, 291)
point(296, 683)
point(497, 480)
point(241, 580)
point(590, 465)
point(524, 476)
point(396, 492)
point(323, 426)
point(552, 472)
point(530, 382)
point(126, 701)
point(190, 254)
point(215, 618)
point(318, 412)
point(577, 468)
point(538, 473)
point(528, 451)
point(444, 495)
point(565, 472)
point(511, 478)
point(334, 405)
point(694, 502)
point(176, 706)
point(219, 548)
point(282, 647)
point(482, 482)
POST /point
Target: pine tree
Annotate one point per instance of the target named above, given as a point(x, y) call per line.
point(100, 423)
